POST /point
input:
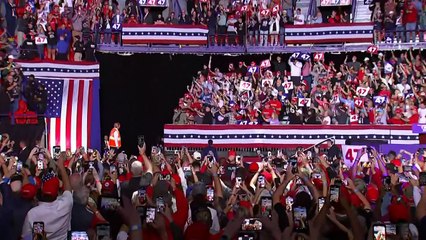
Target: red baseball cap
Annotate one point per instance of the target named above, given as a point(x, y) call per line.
point(372, 193)
point(28, 191)
point(254, 167)
point(51, 187)
point(232, 153)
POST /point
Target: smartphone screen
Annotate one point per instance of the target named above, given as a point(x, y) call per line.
point(390, 230)
point(40, 165)
point(18, 166)
point(261, 181)
point(38, 228)
point(210, 194)
point(334, 193)
point(56, 150)
point(79, 236)
point(103, 231)
point(150, 214)
point(289, 204)
point(246, 236)
point(251, 224)
point(141, 140)
point(238, 181)
point(109, 203)
point(299, 218)
point(142, 195)
point(407, 168)
point(112, 169)
point(386, 182)
point(379, 232)
point(321, 202)
point(160, 204)
point(266, 206)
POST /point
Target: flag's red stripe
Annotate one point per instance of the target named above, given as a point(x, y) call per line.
point(79, 113)
point(57, 131)
point(89, 113)
point(69, 113)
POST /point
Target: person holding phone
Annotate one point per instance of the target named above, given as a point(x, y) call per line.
point(55, 210)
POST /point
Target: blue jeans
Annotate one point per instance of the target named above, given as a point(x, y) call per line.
point(411, 31)
point(400, 36)
point(40, 49)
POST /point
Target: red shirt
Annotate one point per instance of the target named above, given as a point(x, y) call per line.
point(396, 121)
point(414, 118)
point(276, 105)
point(410, 14)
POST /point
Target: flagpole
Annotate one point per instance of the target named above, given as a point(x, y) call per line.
point(45, 133)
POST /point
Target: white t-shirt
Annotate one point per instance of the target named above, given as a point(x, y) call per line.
point(300, 17)
point(295, 69)
point(56, 216)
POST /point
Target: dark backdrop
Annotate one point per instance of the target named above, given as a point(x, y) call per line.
point(141, 90)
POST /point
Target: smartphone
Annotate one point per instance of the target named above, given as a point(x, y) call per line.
point(387, 182)
point(334, 193)
point(293, 162)
point(321, 202)
point(261, 181)
point(266, 206)
point(19, 166)
point(422, 179)
point(238, 181)
point(56, 150)
point(160, 204)
point(390, 229)
point(269, 154)
point(38, 230)
point(112, 169)
point(379, 232)
point(142, 195)
point(238, 160)
point(210, 194)
point(40, 165)
point(251, 224)
point(150, 214)
point(141, 140)
point(103, 231)
point(289, 204)
point(299, 218)
point(165, 177)
point(77, 235)
point(408, 168)
point(109, 203)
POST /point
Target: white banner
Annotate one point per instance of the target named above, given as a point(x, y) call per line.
point(245, 86)
point(350, 152)
point(302, 102)
point(362, 91)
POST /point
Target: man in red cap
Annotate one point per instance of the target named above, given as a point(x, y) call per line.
point(53, 210)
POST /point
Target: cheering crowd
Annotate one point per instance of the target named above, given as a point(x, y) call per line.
point(202, 195)
point(383, 88)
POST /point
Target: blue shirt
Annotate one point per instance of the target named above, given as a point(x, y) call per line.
point(62, 46)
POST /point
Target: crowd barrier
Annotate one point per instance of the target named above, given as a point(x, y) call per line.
point(282, 136)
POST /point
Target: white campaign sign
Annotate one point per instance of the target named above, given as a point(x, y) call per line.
point(350, 152)
point(361, 91)
point(288, 85)
point(302, 102)
point(245, 86)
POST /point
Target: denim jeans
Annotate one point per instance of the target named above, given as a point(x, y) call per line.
point(411, 31)
point(40, 49)
point(263, 38)
point(400, 36)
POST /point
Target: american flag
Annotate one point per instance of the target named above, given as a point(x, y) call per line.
point(329, 33)
point(164, 34)
point(282, 136)
point(70, 102)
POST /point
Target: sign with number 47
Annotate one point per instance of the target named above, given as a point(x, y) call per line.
point(304, 102)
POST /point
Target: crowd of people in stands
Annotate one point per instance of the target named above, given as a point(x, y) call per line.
point(386, 88)
point(70, 30)
point(91, 194)
point(399, 21)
